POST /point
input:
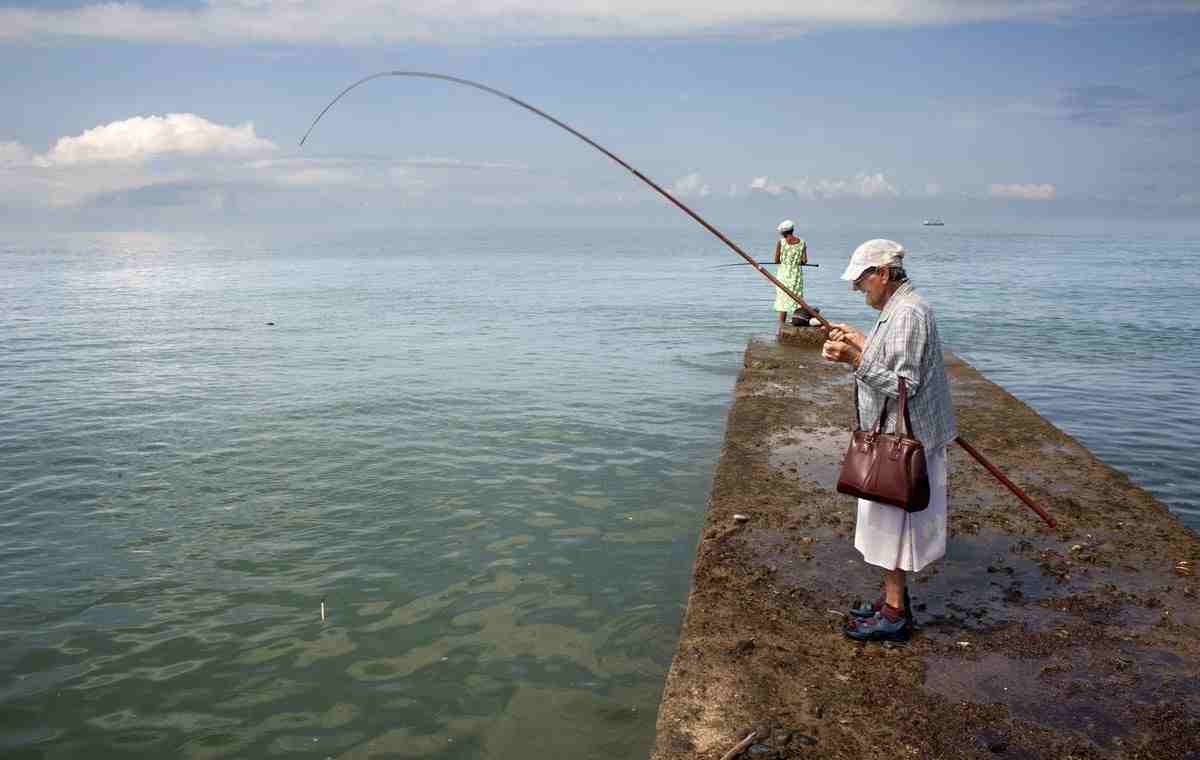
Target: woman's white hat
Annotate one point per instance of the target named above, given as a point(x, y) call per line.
point(785, 225)
point(873, 253)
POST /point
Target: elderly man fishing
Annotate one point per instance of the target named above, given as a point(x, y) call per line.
point(903, 343)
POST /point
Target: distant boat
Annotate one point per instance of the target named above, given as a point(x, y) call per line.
point(933, 223)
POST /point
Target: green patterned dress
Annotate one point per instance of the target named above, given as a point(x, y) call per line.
point(790, 273)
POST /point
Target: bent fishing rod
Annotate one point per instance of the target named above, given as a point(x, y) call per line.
point(467, 82)
point(825, 324)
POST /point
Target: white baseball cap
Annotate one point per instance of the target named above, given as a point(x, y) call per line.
point(785, 225)
point(873, 253)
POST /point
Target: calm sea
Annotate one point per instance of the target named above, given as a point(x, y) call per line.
point(488, 458)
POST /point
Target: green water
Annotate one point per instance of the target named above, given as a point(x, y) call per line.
point(491, 465)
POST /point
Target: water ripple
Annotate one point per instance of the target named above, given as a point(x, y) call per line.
point(495, 495)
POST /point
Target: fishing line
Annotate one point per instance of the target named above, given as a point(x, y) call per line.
point(740, 263)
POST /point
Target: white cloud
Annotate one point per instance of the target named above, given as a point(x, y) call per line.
point(14, 154)
point(374, 22)
point(862, 185)
point(105, 167)
point(933, 188)
point(765, 185)
point(138, 138)
point(868, 186)
point(691, 185)
point(1031, 192)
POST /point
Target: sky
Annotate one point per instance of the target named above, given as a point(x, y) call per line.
point(189, 114)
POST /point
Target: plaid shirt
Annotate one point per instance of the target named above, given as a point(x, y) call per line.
point(905, 342)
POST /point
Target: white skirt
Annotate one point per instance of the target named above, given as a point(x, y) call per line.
point(893, 539)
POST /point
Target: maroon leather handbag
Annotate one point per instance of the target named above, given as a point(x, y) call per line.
point(886, 467)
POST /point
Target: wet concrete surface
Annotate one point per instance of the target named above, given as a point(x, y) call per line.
point(1082, 641)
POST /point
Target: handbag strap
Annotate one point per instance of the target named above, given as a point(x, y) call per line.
point(907, 431)
point(903, 421)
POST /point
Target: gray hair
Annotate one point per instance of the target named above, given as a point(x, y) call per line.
point(896, 272)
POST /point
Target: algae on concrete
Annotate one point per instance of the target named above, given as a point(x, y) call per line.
point(1079, 642)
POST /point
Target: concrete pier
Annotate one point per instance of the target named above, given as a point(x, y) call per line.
point(1079, 642)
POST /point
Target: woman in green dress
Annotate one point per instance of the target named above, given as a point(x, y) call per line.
point(791, 254)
